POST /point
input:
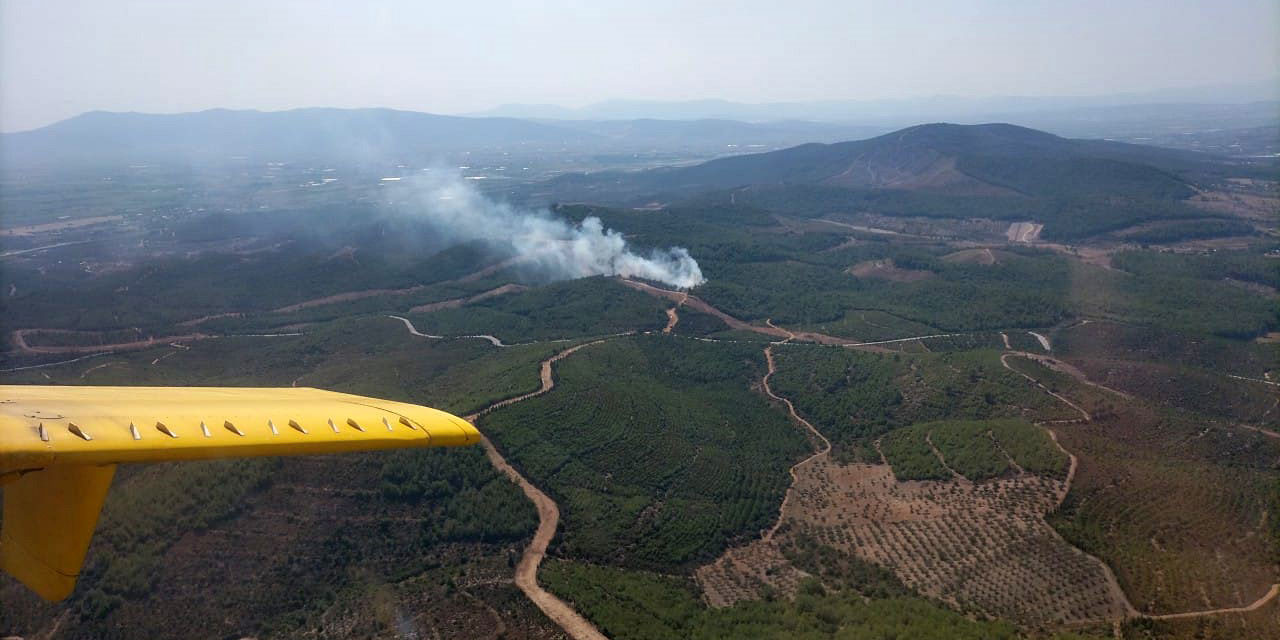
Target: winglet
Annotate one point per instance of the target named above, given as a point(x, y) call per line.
point(49, 517)
point(59, 447)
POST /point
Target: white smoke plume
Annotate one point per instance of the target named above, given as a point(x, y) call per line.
point(560, 248)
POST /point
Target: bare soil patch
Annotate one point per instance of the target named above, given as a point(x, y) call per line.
point(982, 256)
point(982, 547)
point(347, 297)
point(886, 270)
point(1024, 232)
point(21, 344)
point(62, 225)
point(459, 302)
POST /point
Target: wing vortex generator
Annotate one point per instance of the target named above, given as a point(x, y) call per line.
point(59, 447)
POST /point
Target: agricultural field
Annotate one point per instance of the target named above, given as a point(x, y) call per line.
point(973, 535)
point(633, 604)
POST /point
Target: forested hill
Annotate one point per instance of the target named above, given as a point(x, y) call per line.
point(1000, 171)
point(978, 159)
point(271, 135)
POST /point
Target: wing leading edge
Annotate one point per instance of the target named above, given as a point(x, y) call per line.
point(59, 447)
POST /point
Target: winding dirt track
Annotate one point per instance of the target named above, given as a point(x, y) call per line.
point(580, 628)
point(20, 342)
point(526, 577)
point(817, 435)
point(1114, 583)
point(1257, 604)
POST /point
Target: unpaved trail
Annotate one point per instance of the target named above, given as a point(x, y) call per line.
point(349, 296)
point(822, 451)
point(203, 319)
point(1274, 384)
point(1074, 372)
point(1004, 360)
point(1266, 432)
point(942, 460)
point(466, 300)
point(697, 304)
point(1113, 583)
point(1257, 604)
point(526, 577)
point(482, 336)
point(673, 318)
point(20, 342)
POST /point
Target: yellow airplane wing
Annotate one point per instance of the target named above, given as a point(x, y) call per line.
point(59, 447)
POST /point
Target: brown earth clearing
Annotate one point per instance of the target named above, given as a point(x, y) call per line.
point(886, 270)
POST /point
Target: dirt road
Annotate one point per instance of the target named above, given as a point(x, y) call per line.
point(20, 342)
point(697, 304)
point(1257, 604)
point(1113, 582)
point(459, 302)
point(672, 317)
point(526, 577)
point(817, 436)
point(1004, 360)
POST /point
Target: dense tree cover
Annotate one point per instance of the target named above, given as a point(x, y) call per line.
point(1074, 216)
point(634, 605)
point(1180, 303)
point(968, 448)
point(1029, 446)
point(1107, 340)
point(1246, 266)
point(853, 397)
point(976, 449)
point(907, 450)
point(416, 507)
point(813, 293)
point(158, 292)
point(141, 519)
point(1190, 230)
point(585, 307)
point(1075, 177)
point(656, 449)
point(841, 570)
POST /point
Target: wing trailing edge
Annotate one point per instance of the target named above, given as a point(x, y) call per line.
point(59, 447)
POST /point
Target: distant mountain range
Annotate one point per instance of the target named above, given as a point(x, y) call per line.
point(988, 159)
point(386, 136)
point(1222, 99)
point(359, 136)
point(1077, 188)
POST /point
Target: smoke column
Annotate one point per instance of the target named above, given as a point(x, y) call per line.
point(564, 250)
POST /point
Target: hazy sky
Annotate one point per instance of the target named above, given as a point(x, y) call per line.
point(60, 58)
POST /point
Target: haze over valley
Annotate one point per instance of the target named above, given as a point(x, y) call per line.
point(806, 362)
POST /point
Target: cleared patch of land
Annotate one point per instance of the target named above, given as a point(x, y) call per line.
point(61, 225)
point(885, 269)
point(1024, 232)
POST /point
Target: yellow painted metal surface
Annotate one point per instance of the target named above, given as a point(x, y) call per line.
point(59, 445)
